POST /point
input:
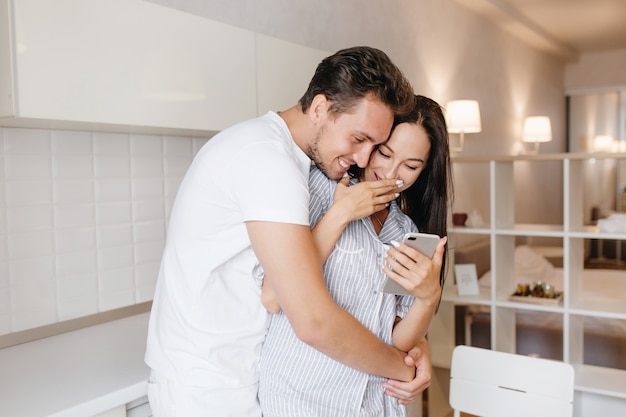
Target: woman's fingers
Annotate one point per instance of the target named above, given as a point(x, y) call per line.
point(413, 271)
point(366, 197)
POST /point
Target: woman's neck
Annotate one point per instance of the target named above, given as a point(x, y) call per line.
point(378, 219)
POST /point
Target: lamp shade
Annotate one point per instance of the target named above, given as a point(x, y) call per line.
point(463, 116)
point(603, 143)
point(537, 129)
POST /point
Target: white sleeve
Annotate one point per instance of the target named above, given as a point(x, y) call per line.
point(270, 186)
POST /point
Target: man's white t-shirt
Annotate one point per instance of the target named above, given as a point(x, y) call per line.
point(207, 322)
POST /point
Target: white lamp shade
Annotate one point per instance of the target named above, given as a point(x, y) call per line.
point(463, 116)
point(603, 143)
point(537, 129)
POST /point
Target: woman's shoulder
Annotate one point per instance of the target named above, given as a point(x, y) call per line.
point(319, 180)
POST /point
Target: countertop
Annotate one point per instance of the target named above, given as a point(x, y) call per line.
point(76, 374)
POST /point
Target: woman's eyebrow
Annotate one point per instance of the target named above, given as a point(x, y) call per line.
point(410, 159)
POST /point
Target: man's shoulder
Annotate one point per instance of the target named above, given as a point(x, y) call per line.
point(261, 136)
point(270, 124)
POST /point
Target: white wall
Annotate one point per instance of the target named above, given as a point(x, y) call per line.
point(597, 71)
point(447, 52)
point(596, 85)
point(82, 220)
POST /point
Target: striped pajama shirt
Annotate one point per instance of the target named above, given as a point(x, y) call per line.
point(297, 380)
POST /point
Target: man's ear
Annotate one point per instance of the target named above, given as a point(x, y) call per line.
point(318, 110)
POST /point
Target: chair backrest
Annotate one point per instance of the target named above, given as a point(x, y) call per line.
point(489, 383)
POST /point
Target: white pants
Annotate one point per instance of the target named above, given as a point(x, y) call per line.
point(170, 399)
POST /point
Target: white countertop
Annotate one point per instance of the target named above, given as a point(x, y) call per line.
point(76, 374)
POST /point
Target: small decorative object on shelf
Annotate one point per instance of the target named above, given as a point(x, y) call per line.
point(474, 220)
point(458, 219)
point(539, 293)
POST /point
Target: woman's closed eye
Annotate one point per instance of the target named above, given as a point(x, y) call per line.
point(383, 153)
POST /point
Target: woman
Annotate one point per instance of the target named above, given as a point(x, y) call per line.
point(351, 229)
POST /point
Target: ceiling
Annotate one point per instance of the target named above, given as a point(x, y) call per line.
point(564, 27)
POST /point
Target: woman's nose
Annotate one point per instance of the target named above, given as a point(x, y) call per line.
point(391, 172)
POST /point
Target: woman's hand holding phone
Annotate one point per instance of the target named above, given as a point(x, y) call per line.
point(414, 266)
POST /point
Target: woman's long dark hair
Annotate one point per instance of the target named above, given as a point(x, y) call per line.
point(426, 202)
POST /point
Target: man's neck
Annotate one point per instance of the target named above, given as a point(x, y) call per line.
point(300, 126)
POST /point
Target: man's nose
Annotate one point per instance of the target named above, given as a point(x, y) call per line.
point(363, 156)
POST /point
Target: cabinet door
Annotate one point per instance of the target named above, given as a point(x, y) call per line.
point(130, 62)
point(284, 71)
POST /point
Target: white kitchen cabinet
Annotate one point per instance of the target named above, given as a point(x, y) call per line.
point(116, 63)
point(81, 373)
point(114, 412)
point(139, 408)
point(284, 70)
point(597, 388)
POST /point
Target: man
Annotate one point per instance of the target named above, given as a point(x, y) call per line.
point(245, 197)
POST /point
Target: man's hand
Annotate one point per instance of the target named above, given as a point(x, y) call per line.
point(409, 392)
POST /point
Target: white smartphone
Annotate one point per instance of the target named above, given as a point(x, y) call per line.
point(422, 242)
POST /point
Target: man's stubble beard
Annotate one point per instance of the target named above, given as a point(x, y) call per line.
point(315, 156)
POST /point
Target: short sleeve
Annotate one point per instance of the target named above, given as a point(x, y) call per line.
point(270, 185)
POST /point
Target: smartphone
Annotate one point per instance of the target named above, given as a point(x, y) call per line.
point(424, 243)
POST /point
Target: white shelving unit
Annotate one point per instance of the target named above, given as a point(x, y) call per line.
point(599, 390)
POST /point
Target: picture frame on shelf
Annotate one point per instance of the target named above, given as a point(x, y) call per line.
point(466, 279)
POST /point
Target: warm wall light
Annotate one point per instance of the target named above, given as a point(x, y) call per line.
point(603, 143)
point(537, 129)
point(463, 116)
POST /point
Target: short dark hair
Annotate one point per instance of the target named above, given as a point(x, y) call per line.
point(354, 73)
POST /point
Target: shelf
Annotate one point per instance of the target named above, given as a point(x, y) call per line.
point(546, 230)
point(600, 380)
point(600, 308)
point(580, 311)
point(540, 157)
point(469, 230)
point(550, 230)
point(450, 295)
point(528, 306)
point(484, 298)
point(592, 232)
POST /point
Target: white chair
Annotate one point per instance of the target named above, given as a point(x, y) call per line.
point(489, 383)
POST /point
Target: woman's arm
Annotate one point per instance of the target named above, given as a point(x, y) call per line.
point(414, 326)
point(419, 275)
point(349, 204)
point(268, 298)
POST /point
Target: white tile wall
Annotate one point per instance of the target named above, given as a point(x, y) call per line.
point(83, 220)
